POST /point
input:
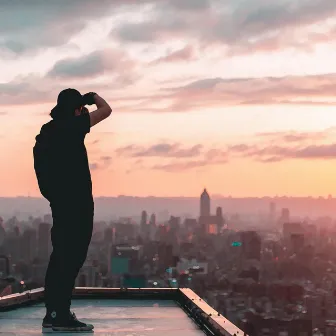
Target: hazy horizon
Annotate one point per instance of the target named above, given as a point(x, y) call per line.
point(242, 103)
point(107, 208)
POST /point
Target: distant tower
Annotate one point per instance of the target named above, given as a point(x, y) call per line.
point(285, 215)
point(144, 228)
point(143, 218)
point(220, 219)
point(152, 220)
point(205, 204)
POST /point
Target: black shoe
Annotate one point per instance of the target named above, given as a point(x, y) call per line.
point(47, 324)
point(69, 323)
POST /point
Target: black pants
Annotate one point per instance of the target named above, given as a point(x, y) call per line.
point(70, 235)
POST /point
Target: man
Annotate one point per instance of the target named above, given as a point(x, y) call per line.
point(63, 175)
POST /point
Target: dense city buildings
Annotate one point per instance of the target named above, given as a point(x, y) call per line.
point(270, 274)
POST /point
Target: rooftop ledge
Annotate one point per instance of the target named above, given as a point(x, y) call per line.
point(122, 311)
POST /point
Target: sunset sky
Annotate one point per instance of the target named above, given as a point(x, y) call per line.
point(234, 95)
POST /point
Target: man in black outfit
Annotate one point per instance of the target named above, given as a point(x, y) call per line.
point(63, 175)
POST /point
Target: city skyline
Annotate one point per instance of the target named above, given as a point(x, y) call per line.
point(243, 106)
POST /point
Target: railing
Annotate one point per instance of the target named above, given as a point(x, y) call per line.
point(206, 317)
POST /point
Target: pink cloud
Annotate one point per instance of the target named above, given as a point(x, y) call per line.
point(185, 54)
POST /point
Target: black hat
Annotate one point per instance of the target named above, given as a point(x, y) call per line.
point(67, 101)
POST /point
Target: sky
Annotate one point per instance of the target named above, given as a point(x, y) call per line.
point(237, 96)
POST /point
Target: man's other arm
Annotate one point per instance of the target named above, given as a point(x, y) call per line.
point(103, 111)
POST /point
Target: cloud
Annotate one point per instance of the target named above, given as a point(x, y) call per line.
point(217, 92)
point(160, 150)
point(199, 94)
point(31, 25)
point(224, 92)
point(184, 158)
point(185, 54)
point(93, 65)
point(280, 146)
point(288, 146)
point(240, 26)
point(211, 158)
point(35, 89)
point(2, 113)
point(26, 26)
point(180, 166)
point(28, 90)
point(94, 166)
point(281, 153)
point(102, 163)
point(106, 159)
point(293, 136)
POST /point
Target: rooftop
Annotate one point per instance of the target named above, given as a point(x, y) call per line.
point(121, 312)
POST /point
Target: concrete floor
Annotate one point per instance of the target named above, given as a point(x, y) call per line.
point(110, 317)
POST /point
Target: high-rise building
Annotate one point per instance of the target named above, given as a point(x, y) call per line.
point(174, 223)
point(87, 275)
point(108, 235)
point(152, 220)
point(2, 233)
point(143, 218)
point(209, 224)
point(205, 204)
point(124, 259)
point(297, 242)
point(44, 241)
point(285, 215)
point(165, 252)
point(144, 227)
point(291, 228)
point(251, 245)
point(28, 245)
point(220, 218)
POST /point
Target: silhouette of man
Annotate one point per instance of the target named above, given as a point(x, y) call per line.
point(63, 175)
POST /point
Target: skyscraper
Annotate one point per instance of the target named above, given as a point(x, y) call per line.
point(152, 220)
point(44, 241)
point(143, 218)
point(209, 224)
point(220, 219)
point(205, 204)
point(285, 215)
point(144, 228)
point(251, 245)
point(28, 245)
point(272, 212)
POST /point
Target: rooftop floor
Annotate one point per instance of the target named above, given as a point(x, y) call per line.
point(110, 317)
point(121, 311)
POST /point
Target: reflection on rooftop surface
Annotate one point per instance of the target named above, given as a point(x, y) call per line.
point(121, 311)
point(110, 317)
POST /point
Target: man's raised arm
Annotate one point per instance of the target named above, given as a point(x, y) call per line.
point(103, 110)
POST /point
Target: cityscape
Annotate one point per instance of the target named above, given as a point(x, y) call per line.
point(167, 167)
point(278, 279)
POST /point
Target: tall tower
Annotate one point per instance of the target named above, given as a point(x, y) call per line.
point(152, 220)
point(143, 218)
point(219, 217)
point(205, 204)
